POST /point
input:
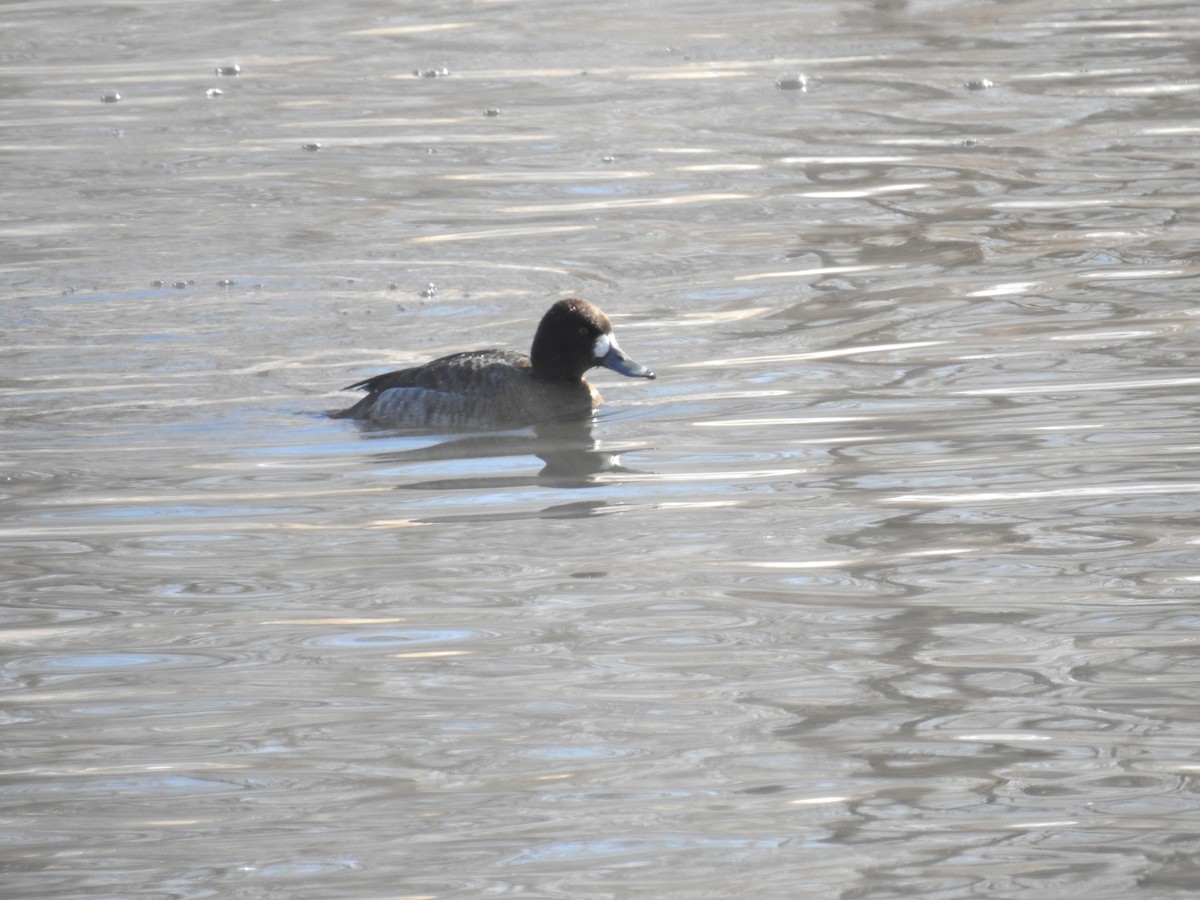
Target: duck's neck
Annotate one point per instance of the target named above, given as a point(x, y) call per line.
point(551, 360)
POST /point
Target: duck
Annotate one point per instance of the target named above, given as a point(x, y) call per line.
point(502, 389)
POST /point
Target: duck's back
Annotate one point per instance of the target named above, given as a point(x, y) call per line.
point(476, 389)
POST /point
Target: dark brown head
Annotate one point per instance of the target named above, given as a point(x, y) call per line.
point(573, 337)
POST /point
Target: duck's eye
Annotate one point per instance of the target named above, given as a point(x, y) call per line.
point(583, 331)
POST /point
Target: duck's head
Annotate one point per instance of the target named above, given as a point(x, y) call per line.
point(575, 336)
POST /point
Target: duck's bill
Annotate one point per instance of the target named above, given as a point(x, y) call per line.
point(613, 357)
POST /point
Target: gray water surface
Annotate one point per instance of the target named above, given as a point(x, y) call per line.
point(885, 588)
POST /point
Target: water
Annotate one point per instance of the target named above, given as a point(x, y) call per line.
point(885, 587)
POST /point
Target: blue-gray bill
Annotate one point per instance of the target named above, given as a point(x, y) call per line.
point(616, 360)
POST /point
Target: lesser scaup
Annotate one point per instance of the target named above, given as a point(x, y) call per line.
point(490, 389)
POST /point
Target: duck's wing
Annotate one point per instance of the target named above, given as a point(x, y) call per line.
point(455, 390)
point(456, 373)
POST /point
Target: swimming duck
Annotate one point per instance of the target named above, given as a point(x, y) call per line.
point(497, 389)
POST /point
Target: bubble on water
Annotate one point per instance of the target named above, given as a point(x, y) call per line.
point(110, 97)
point(312, 146)
point(979, 84)
point(429, 291)
point(608, 159)
point(226, 282)
point(491, 113)
point(229, 71)
point(213, 93)
point(793, 83)
point(432, 73)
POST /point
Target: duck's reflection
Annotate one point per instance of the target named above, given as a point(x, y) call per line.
point(570, 454)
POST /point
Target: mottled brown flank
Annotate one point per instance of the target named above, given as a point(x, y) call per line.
point(477, 389)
